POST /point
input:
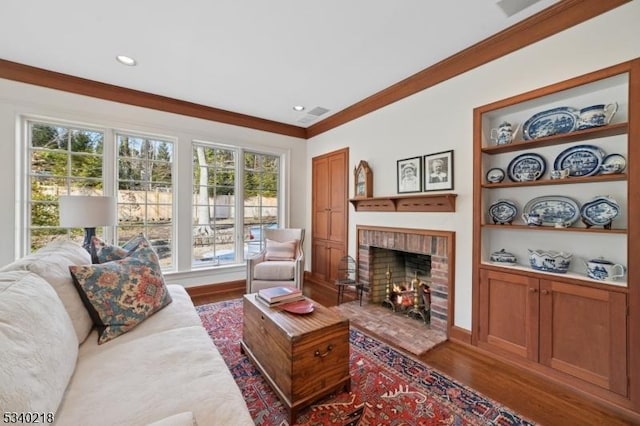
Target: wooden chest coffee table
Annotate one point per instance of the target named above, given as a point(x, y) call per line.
point(303, 357)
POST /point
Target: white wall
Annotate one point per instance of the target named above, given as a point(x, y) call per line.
point(440, 118)
point(18, 99)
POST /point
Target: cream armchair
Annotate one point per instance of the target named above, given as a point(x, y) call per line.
point(281, 262)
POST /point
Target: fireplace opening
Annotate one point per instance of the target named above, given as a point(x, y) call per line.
point(401, 282)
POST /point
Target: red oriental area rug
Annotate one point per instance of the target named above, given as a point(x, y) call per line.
point(387, 387)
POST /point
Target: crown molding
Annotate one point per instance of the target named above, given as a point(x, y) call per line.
point(556, 18)
point(550, 21)
point(81, 86)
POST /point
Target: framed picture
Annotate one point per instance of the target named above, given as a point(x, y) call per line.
point(438, 168)
point(409, 175)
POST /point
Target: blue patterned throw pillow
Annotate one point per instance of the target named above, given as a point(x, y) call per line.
point(121, 294)
point(106, 252)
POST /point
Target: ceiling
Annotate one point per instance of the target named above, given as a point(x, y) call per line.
point(253, 57)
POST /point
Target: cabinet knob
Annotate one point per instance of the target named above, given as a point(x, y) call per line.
point(545, 291)
point(533, 290)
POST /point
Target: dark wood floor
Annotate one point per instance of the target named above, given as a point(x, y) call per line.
point(526, 393)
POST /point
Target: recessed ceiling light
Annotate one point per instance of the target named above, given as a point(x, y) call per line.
point(298, 108)
point(126, 60)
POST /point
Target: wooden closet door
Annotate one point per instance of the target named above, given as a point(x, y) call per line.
point(330, 212)
point(338, 195)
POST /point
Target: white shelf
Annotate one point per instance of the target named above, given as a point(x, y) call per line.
point(570, 275)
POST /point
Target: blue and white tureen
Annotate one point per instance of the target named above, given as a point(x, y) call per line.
point(550, 261)
point(503, 257)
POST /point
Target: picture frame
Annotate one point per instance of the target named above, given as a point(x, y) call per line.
point(409, 175)
point(438, 175)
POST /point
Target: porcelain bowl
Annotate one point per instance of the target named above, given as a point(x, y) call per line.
point(550, 260)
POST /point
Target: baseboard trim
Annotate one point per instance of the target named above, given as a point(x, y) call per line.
point(460, 335)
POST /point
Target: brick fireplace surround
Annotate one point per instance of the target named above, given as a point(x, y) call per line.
point(439, 245)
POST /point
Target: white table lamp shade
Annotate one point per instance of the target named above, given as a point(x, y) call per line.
point(83, 211)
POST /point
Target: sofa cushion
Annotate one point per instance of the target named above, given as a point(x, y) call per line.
point(180, 419)
point(178, 314)
point(121, 294)
point(274, 270)
point(39, 344)
point(52, 262)
point(152, 377)
point(106, 252)
point(276, 250)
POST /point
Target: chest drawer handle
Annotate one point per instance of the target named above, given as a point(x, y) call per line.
point(322, 355)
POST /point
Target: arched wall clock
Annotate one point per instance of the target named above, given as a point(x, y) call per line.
point(363, 178)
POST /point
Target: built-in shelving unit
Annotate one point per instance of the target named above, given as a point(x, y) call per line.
point(569, 327)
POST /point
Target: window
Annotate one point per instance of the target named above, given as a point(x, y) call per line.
point(235, 193)
point(145, 192)
point(63, 160)
point(214, 219)
point(261, 197)
point(220, 236)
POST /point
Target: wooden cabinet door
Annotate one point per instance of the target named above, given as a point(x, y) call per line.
point(326, 258)
point(321, 201)
point(583, 333)
point(509, 313)
point(319, 261)
point(330, 213)
point(337, 189)
point(335, 252)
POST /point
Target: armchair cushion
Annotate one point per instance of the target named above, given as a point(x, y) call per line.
point(275, 270)
point(277, 250)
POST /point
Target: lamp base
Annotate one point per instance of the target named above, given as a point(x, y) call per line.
point(89, 233)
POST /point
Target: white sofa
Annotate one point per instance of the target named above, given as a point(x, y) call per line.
point(166, 371)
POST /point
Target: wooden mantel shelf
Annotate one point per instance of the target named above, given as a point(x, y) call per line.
point(407, 203)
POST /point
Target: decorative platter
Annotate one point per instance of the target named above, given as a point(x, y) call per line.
point(554, 209)
point(495, 175)
point(503, 211)
point(615, 160)
point(600, 211)
point(300, 307)
point(528, 162)
point(551, 122)
point(581, 160)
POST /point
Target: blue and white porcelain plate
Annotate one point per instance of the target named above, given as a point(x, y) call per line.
point(581, 160)
point(600, 211)
point(554, 209)
point(528, 162)
point(551, 122)
point(503, 211)
point(495, 175)
point(616, 160)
